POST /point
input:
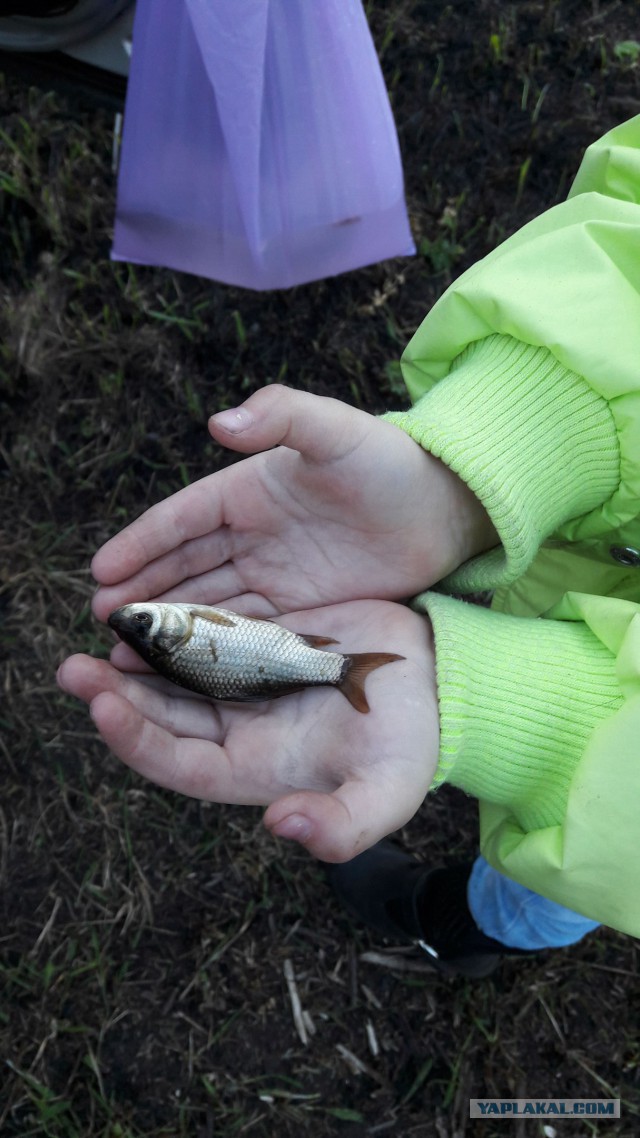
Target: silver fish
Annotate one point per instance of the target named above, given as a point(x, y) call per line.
point(226, 656)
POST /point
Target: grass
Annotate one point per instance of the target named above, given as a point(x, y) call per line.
point(148, 942)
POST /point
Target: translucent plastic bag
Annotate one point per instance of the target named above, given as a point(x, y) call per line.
point(259, 146)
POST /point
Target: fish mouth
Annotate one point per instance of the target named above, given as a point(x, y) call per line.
point(130, 626)
point(118, 620)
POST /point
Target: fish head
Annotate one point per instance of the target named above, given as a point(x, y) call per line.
point(151, 628)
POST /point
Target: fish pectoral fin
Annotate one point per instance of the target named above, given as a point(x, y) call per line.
point(360, 664)
point(212, 615)
point(316, 641)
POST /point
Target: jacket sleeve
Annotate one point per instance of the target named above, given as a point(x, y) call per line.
point(540, 719)
point(525, 381)
point(524, 375)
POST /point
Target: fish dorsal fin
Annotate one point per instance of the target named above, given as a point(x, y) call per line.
point(215, 616)
point(316, 641)
point(361, 663)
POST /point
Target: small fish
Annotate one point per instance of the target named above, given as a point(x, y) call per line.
point(226, 656)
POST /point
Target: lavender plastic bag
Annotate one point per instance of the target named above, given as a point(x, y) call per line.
point(259, 147)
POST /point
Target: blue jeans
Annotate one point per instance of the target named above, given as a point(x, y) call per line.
point(517, 916)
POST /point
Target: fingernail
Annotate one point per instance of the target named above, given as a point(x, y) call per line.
point(235, 420)
point(296, 828)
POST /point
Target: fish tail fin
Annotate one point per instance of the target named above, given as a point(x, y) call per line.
point(358, 667)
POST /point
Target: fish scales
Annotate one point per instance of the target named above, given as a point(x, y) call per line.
point(223, 655)
point(249, 660)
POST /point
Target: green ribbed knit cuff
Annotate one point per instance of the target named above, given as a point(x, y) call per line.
point(532, 440)
point(518, 701)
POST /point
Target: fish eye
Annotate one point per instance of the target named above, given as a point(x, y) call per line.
point(143, 619)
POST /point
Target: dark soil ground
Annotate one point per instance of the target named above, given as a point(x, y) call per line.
point(144, 937)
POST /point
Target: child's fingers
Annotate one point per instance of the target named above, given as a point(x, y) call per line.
point(126, 660)
point(176, 577)
point(191, 513)
point(336, 827)
point(321, 429)
point(194, 767)
point(180, 713)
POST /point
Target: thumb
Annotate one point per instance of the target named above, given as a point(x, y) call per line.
point(319, 428)
point(336, 827)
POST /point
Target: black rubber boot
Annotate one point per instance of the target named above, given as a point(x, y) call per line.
point(391, 892)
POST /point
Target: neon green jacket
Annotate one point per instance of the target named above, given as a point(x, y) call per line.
point(525, 378)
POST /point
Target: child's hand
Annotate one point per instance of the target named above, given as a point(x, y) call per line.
point(334, 779)
point(347, 506)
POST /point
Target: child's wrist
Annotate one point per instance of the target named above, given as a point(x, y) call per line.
point(535, 443)
point(451, 525)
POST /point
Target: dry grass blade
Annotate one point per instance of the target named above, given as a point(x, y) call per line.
point(296, 1007)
